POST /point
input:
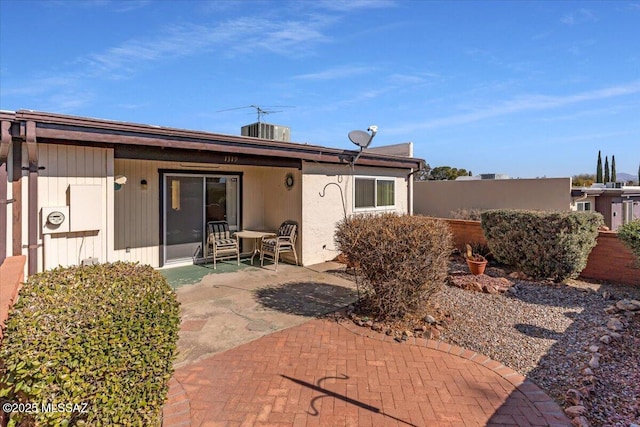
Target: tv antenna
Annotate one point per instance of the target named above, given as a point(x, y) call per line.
point(261, 112)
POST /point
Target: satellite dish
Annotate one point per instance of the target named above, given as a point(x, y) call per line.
point(361, 138)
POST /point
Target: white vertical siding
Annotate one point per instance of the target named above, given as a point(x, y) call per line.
point(265, 203)
point(65, 166)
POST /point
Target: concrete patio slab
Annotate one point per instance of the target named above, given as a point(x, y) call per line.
point(225, 310)
point(252, 354)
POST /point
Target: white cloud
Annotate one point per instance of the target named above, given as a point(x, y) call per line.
point(336, 73)
point(521, 104)
point(579, 17)
point(351, 5)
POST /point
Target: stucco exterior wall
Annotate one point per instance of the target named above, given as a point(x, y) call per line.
point(327, 195)
point(592, 199)
point(281, 204)
point(440, 198)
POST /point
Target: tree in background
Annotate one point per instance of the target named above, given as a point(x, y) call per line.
point(446, 173)
point(607, 177)
point(599, 169)
point(583, 180)
point(613, 169)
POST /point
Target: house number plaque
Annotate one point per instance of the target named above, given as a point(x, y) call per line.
point(231, 159)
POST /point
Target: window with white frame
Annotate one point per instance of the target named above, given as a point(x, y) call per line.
point(583, 206)
point(374, 192)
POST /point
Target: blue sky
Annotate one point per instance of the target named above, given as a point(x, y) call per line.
point(523, 88)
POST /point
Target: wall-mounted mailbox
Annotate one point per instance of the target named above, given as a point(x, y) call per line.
point(55, 220)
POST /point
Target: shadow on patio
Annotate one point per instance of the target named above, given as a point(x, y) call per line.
point(306, 298)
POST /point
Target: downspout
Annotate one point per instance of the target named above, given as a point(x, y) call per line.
point(32, 152)
point(421, 168)
point(5, 143)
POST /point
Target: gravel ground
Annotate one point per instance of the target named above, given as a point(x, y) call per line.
point(544, 330)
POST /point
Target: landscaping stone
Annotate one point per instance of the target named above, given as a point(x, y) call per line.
point(580, 421)
point(630, 305)
point(595, 361)
point(575, 411)
point(615, 325)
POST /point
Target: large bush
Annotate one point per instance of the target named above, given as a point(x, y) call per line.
point(629, 233)
point(542, 244)
point(98, 340)
point(403, 259)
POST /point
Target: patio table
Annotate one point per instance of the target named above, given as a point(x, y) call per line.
point(255, 236)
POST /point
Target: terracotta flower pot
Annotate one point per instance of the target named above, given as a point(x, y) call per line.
point(477, 267)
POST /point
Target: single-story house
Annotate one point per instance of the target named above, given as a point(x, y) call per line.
point(618, 203)
point(76, 189)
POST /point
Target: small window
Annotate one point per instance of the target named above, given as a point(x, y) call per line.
point(374, 193)
point(583, 206)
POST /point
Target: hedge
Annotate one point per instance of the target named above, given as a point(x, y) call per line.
point(99, 339)
point(551, 245)
point(629, 233)
point(404, 259)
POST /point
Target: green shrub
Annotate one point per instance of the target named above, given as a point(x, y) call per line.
point(542, 244)
point(104, 336)
point(404, 259)
point(629, 233)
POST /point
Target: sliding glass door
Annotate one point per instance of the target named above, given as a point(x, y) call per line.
point(190, 201)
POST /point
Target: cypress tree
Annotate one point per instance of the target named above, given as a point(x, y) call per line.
point(599, 169)
point(607, 177)
point(613, 169)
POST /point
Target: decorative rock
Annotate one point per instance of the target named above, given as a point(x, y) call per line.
point(377, 327)
point(594, 348)
point(615, 325)
point(611, 309)
point(615, 335)
point(605, 339)
point(407, 334)
point(388, 332)
point(580, 421)
point(629, 305)
point(575, 411)
point(435, 333)
point(489, 289)
point(368, 323)
point(429, 319)
point(587, 371)
point(595, 361)
point(518, 275)
point(573, 396)
point(587, 390)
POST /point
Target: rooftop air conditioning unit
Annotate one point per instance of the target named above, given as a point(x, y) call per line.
point(267, 131)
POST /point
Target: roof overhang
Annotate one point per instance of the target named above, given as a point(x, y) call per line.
point(127, 138)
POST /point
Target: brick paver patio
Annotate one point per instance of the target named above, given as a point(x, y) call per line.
point(324, 373)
